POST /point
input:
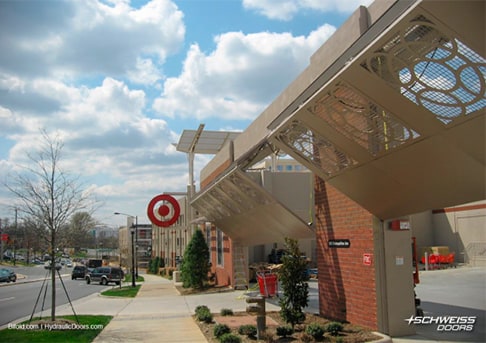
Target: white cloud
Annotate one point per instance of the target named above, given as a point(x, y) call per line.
point(145, 72)
point(240, 77)
point(88, 38)
point(287, 9)
point(119, 151)
point(88, 70)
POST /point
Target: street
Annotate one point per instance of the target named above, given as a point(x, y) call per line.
point(17, 300)
point(456, 292)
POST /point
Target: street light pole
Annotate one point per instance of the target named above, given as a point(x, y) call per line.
point(133, 232)
point(136, 246)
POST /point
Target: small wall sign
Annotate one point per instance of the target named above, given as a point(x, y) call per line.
point(399, 260)
point(367, 259)
point(398, 225)
point(338, 243)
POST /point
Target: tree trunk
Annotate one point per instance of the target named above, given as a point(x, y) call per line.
point(53, 276)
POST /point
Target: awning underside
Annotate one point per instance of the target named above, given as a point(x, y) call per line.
point(247, 212)
point(400, 129)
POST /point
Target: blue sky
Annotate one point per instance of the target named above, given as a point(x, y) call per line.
point(120, 80)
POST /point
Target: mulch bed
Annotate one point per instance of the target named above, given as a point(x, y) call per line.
point(350, 333)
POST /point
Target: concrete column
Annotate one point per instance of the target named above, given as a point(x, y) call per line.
point(394, 275)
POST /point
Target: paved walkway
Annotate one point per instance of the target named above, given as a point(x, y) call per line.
point(157, 314)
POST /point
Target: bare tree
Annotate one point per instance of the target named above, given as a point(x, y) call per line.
point(34, 236)
point(49, 195)
point(78, 235)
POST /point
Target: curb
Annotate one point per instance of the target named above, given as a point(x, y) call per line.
point(384, 338)
point(23, 277)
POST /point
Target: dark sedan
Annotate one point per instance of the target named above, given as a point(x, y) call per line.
point(7, 275)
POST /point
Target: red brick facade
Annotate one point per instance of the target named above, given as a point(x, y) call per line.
point(223, 272)
point(346, 285)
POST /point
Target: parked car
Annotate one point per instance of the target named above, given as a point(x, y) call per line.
point(47, 265)
point(19, 257)
point(105, 275)
point(78, 272)
point(36, 261)
point(7, 275)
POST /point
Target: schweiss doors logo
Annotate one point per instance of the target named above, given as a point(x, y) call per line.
point(445, 323)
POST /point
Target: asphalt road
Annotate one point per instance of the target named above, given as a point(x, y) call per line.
point(17, 300)
point(458, 292)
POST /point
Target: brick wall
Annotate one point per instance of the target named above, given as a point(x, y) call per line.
point(346, 285)
point(223, 273)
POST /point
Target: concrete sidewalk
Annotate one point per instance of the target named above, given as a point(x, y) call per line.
point(157, 314)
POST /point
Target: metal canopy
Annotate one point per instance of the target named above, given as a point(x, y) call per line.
point(401, 128)
point(247, 212)
point(208, 142)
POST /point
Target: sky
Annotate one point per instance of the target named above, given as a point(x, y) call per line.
point(120, 80)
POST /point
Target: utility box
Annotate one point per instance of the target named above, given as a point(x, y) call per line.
point(176, 276)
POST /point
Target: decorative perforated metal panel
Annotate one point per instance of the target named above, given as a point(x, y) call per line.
point(432, 69)
point(232, 195)
point(314, 148)
point(361, 120)
point(247, 212)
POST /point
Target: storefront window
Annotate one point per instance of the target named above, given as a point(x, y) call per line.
point(219, 244)
point(208, 234)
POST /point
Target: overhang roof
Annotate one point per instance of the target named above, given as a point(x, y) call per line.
point(397, 123)
point(207, 142)
point(401, 127)
point(247, 212)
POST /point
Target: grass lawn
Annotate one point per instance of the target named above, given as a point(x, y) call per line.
point(125, 291)
point(128, 278)
point(88, 328)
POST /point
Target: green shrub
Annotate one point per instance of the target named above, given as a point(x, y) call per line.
point(284, 331)
point(201, 308)
point(206, 317)
point(293, 278)
point(155, 264)
point(220, 329)
point(230, 338)
point(248, 330)
point(226, 312)
point(195, 264)
point(334, 328)
point(315, 330)
point(203, 314)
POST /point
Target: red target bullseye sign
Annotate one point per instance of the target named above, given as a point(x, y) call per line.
point(159, 208)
